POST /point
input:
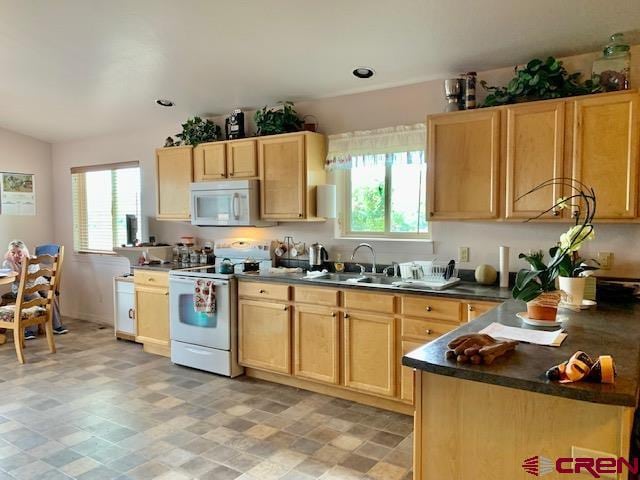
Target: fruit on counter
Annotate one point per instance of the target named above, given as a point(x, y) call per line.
point(486, 275)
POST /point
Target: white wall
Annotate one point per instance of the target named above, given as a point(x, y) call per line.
point(22, 154)
point(88, 278)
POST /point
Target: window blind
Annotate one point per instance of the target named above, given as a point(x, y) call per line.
point(102, 196)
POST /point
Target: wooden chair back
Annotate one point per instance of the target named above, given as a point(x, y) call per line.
point(49, 269)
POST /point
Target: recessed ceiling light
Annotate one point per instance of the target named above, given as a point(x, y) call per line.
point(363, 72)
point(163, 102)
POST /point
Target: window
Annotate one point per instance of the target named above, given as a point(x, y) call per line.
point(383, 176)
point(102, 197)
point(386, 197)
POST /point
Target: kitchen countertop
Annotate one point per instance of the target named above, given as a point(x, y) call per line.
point(460, 290)
point(604, 330)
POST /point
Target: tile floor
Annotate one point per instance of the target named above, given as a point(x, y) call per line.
point(103, 409)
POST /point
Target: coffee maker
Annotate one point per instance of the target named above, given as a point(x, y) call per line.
point(234, 125)
point(317, 255)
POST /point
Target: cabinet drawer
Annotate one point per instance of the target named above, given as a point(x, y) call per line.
point(373, 302)
point(432, 308)
point(151, 278)
point(316, 296)
point(425, 329)
point(272, 291)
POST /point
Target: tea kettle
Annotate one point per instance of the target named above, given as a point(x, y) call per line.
point(226, 266)
point(317, 255)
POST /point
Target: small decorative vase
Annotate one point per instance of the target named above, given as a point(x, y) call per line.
point(544, 307)
point(573, 287)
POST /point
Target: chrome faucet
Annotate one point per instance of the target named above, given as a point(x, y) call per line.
point(373, 254)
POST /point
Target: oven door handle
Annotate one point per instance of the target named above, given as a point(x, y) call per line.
point(193, 280)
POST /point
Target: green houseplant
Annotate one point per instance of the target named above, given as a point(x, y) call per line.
point(279, 119)
point(537, 285)
point(539, 80)
point(194, 131)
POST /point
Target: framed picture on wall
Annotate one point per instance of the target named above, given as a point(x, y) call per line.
point(17, 194)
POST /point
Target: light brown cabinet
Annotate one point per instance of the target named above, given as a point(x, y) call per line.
point(264, 335)
point(534, 153)
point(475, 309)
point(406, 373)
point(225, 160)
point(463, 159)
point(605, 152)
point(369, 353)
point(316, 344)
point(152, 311)
point(174, 174)
point(209, 161)
point(481, 162)
point(290, 167)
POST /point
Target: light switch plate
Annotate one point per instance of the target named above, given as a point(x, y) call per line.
point(463, 254)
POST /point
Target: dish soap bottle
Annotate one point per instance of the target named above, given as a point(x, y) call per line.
point(338, 265)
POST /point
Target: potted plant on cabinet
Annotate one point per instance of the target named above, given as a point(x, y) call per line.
point(279, 119)
point(537, 286)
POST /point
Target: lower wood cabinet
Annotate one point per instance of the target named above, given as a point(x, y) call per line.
point(264, 335)
point(152, 314)
point(406, 373)
point(316, 344)
point(369, 353)
point(475, 309)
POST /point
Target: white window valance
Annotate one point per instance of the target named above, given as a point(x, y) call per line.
point(347, 150)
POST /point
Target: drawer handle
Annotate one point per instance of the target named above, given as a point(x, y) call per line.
point(333, 314)
point(131, 313)
point(346, 315)
point(471, 308)
point(151, 279)
point(231, 174)
point(428, 331)
point(285, 308)
point(261, 291)
point(428, 309)
point(555, 213)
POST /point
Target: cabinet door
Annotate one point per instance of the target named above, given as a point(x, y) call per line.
point(462, 165)
point(534, 154)
point(174, 170)
point(210, 161)
point(369, 353)
point(407, 373)
point(152, 311)
point(125, 319)
point(264, 336)
point(605, 152)
point(242, 159)
point(316, 344)
point(475, 309)
point(282, 176)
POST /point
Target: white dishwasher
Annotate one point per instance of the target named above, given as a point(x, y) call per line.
point(124, 308)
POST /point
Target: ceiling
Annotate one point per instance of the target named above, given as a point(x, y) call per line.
point(78, 68)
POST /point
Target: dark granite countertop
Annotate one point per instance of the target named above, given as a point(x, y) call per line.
point(604, 330)
point(461, 290)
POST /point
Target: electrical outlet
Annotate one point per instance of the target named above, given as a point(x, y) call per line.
point(605, 259)
point(580, 452)
point(463, 254)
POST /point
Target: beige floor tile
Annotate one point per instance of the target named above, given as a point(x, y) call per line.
point(346, 442)
point(386, 471)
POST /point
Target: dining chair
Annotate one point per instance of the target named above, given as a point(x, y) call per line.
point(39, 310)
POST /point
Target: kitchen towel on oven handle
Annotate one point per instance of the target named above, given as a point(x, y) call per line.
point(204, 296)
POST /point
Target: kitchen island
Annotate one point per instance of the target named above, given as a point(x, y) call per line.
point(483, 421)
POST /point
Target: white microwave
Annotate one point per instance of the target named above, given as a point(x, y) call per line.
point(226, 203)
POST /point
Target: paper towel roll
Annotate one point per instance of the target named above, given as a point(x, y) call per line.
point(504, 266)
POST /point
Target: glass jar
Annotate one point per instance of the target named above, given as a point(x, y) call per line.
point(612, 69)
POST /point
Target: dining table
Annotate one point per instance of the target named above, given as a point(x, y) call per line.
point(6, 280)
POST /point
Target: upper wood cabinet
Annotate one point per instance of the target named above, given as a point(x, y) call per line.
point(225, 160)
point(463, 165)
point(534, 153)
point(209, 161)
point(290, 167)
point(242, 159)
point(605, 151)
point(174, 174)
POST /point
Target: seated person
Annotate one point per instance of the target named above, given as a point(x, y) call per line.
point(16, 251)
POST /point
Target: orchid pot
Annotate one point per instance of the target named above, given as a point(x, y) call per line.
point(573, 288)
point(544, 306)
